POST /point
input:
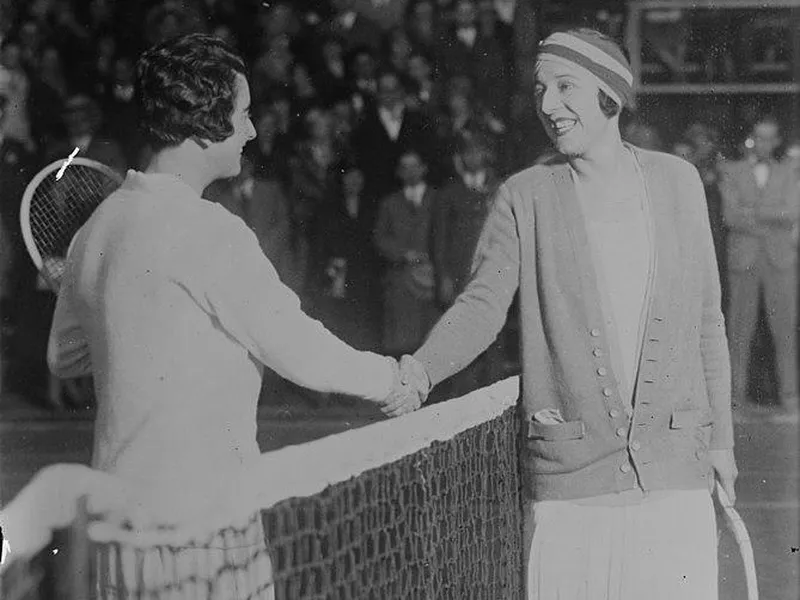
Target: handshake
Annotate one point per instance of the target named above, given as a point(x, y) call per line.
point(410, 387)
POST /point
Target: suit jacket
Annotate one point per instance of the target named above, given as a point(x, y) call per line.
point(535, 242)
point(760, 219)
point(377, 154)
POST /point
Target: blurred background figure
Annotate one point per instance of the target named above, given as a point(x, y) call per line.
point(83, 119)
point(459, 214)
point(403, 239)
point(708, 159)
point(761, 210)
point(347, 275)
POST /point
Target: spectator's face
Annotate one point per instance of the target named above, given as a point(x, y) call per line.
point(458, 104)
point(341, 117)
point(423, 16)
point(267, 126)
point(568, 107)
point(766, 139)
point(106, 47)
point(303, 85)
point(464, 14)
point(390, 92)
point(51, 61)
point(11, 57)
point(683, 150)
point(473, 158)
point(364, 66)
point(332, 51)
point(419, 69)
point(123, 71)
point(225, 33)
point(353, 182)
point(411, 169)
point(319, 124)
point(401, 47)
point(226, 156)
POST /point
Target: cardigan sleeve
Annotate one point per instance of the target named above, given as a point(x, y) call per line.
point(713, 340)
point(479, 312)
point(239, 286)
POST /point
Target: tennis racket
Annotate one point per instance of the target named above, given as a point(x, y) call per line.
point(56, 203)
point(739, 530)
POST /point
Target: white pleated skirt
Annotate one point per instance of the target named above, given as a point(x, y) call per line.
point(664, 548)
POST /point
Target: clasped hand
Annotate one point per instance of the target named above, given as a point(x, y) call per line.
point(409, 389)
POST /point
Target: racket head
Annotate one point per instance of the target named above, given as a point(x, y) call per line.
point(55, 205)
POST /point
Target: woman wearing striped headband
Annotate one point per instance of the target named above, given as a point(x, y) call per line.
point(625, 371)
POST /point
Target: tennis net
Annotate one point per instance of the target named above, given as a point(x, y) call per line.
point(425, 506)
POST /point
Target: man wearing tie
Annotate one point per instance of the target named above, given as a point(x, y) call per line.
point(761, 209)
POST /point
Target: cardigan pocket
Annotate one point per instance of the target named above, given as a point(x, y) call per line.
point(690, 417)
point(556, 432)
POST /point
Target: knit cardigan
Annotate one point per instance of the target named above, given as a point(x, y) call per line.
point(535, 242)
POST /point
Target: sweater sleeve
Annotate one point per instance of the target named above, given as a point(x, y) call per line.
point(713, 341)
point(241, 288)
point(479, 312)
point(68, 354)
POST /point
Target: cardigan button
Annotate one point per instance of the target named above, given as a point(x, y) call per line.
point(636, 445)
point(607, 392)
point(626, 468)
point(597, 352)
point(595, 333)
point(613, 413)
point(621, 432)
point(602, 371)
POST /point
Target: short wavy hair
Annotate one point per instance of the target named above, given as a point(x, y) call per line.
point(185, 89)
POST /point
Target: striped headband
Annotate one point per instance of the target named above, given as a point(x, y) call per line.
point(601, 57)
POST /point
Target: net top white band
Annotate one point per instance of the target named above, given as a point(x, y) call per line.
point(307, 469)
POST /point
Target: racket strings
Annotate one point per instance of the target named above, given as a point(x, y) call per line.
point(60, 206)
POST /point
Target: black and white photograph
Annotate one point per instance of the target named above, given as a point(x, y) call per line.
point(399, 299)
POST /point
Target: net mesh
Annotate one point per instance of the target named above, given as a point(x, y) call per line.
point(442, 521)
point(60, 205)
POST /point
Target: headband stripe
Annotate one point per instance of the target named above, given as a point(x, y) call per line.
point(596, 54)
point(601, 84)
point(612, 79)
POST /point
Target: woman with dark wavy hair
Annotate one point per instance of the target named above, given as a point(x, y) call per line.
point(170, 302)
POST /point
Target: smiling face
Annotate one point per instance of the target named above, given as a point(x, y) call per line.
point(227, 154)
point(568, 107)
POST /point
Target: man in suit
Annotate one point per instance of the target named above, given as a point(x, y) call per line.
point(761, 209)
point(403, 236)
point(83, 118)
point(352, 27)
point(465, 51)
point(387, 130)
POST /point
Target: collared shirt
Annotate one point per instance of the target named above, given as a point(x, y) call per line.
point(415, 194)
point(475, 181)
point(467, 35)
point(169, 301)
point(761, 173)
point(392, 122)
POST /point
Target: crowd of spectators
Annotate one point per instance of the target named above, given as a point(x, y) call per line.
point(383, 129)
point(367, 113)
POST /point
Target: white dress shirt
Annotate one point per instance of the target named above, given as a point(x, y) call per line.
point(169, 301)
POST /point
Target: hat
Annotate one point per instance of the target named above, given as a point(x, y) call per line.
point(597, 54)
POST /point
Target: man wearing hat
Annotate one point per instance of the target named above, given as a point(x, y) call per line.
point(625, 386)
